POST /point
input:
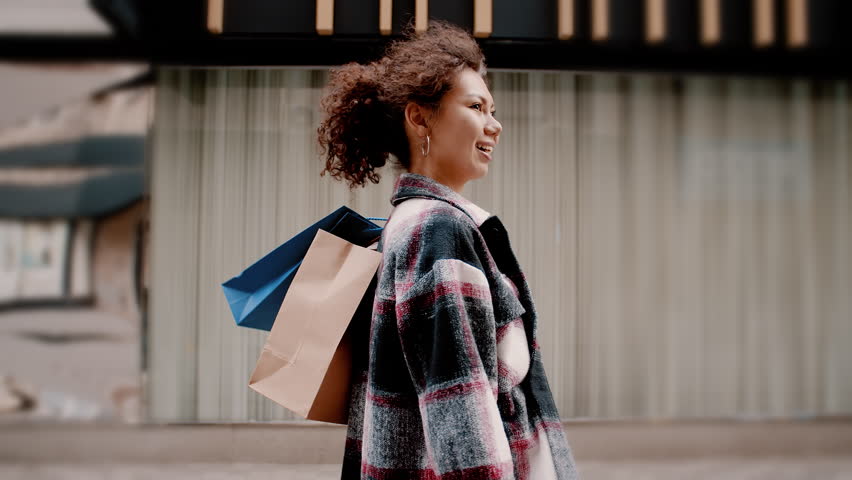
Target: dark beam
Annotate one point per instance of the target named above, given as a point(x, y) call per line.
point(260, 50)
point(62, 48)
point(521, 54)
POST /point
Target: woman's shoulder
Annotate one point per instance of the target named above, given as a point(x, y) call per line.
point(431, 223)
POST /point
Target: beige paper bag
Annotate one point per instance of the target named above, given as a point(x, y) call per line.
point(305, 365)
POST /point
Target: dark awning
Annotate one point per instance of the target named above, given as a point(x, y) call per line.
point(99, 191)
point(103, 150)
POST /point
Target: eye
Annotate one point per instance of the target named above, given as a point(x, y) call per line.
point(477, 106)
point(494, 113)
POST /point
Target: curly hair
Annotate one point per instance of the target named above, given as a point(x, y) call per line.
point(364, 105)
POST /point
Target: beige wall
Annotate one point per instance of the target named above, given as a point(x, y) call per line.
point(115, 262)
point(685, 237)
point(35, 95)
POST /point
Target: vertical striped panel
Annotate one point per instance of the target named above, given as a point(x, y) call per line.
point(834, 144)
point(421, 15)
point(764, 22)
point(565, 14)
point(538, 147)
point(797, 23)
point(686, 238)
point(215, 13)
point(172, 336)
point(711, 22)
point(385, 16)
point(325, 17)
point(655, 21)
point(600, 20)
point(483, 18)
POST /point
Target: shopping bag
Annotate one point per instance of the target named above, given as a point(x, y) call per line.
point(255, 295)
point(305, 365)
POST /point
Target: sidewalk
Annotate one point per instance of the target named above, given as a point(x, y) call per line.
point(80, 364)
point(60, 353)
point(704, 469)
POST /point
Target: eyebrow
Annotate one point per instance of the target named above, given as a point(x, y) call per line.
point(476, 95)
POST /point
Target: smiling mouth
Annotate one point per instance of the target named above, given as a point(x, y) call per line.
point(485, 148)
point(486, 155)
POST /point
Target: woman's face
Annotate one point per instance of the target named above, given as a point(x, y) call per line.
point(463, 134)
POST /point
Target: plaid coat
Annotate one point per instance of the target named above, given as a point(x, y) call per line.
point(452, 384)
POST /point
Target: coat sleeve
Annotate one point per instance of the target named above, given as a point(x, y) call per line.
point(446, 325)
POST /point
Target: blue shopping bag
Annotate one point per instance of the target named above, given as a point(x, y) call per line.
point(255, 295)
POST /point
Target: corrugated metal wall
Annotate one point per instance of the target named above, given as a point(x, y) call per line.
point(686, 238)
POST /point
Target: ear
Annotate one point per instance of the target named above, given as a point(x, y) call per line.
point(417, 119)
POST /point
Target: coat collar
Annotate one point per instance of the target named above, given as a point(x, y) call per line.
point(412, 185)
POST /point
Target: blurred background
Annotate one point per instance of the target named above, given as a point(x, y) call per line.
point(674, 174)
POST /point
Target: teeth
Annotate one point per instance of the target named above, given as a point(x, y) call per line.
point(485, 148)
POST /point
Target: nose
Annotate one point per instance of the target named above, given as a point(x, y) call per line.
point(493, 127)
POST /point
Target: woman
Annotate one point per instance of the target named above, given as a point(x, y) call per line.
point(454, 386)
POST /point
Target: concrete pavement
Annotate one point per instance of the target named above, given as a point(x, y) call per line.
point(823, 468)
point(80, 363)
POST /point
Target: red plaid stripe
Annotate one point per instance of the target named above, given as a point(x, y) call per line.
point(484, 472)
point(392, 401)
point(456, 390)
point(443, 289)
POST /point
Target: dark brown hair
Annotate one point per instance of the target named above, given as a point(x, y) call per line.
point(364, 105)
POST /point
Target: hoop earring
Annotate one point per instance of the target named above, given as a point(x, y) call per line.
point(425, 151)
